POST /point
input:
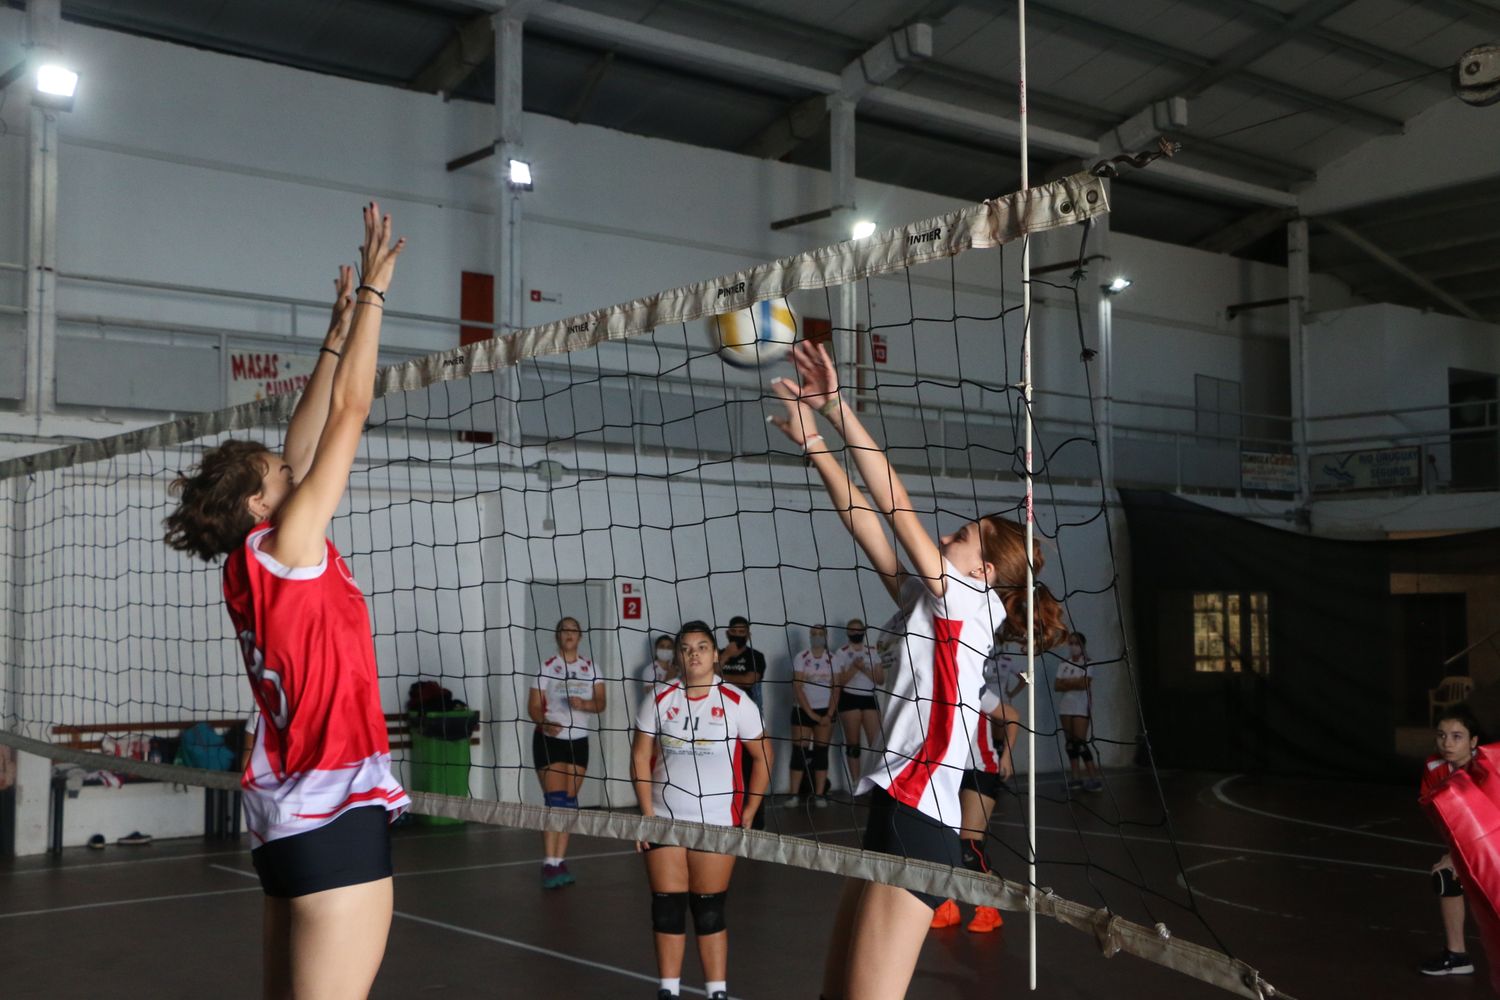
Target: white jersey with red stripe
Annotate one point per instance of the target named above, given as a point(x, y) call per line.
point(866, 656)
point(321, 746)
point(1001, 672)
point(695, 772)
point(816, 671)
point(933, 717)
point(559, 680)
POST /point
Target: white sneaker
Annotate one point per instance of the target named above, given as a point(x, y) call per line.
point(791, 802)
point(821, 801)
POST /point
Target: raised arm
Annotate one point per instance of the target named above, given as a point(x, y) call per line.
point(820, 388)
point(302, 521)
point(312, 409)
point(799, 424)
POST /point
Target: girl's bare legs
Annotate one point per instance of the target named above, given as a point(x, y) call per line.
point(822, 736)
point(337, 940)
point(890, 925)
point(667, 870)
point(851, 723)
point(709, 873)
point(1453, 922)
point(801, 735)
point(836, 964)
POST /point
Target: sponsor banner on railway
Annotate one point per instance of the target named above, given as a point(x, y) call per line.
point(255, 375)
point(1378, 469)
point(1270, 471)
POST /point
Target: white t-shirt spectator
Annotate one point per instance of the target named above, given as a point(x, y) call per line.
point(845, 657)
point(696, 772)
point(1072, 702)
point(816, 671)
point(558, 681)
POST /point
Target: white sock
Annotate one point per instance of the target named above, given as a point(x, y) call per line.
point(672, 986)
point(554, 862)
point(717, 986)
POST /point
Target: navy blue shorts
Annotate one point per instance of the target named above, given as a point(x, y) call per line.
point(353, 849)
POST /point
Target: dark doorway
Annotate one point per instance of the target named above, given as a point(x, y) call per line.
point(1430, 628)
point(1474, 425)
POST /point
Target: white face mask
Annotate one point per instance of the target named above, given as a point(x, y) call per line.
point(819, 641)
point(664, 655)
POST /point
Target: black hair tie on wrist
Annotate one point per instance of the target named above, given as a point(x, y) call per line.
point(331, 351)
point(370, 288)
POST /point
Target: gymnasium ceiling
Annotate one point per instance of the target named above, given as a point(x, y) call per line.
point(1276, 89)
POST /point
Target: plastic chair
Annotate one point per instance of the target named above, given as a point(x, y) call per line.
point(1451, 691)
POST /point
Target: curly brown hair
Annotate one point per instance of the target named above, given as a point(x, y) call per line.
point(213, 517)
point(1004, 545)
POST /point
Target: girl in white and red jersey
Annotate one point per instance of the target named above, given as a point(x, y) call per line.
point(318, 790)
point(1457, 740)
point(1075, 707)
point(990, 766)
point(691, 735)
point(815, 694)
point(566, 699)
point(859, 673)
point(960, 589)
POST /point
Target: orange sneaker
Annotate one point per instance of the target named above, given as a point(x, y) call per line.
point(946, 915)
point(986, 919)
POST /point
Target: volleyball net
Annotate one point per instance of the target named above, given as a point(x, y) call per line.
point(613, 469)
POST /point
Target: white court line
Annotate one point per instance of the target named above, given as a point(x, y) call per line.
point(497, 939)
point(1197, 893)
point(127, 902)
point(1219, 794)
point(66, 869)
point(1220, 847)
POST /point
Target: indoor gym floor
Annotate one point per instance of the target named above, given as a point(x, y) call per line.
point(1321, 885)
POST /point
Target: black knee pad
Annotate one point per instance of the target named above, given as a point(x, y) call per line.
point(1075, 749)
point(851, 750)
point(820, 757)
point(974, 857)
point(669, 912)
point(1085, 751)
point(708, 912)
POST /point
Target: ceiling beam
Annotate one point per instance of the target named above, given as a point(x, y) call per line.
point(1246, 230)
point(464, 52)
point(1068, 23)
point(1389, 262)
point(1240, 57)
point(1481, 12)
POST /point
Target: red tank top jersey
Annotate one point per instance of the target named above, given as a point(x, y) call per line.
point(321, 747)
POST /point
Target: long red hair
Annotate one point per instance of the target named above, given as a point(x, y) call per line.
point(1003, 543)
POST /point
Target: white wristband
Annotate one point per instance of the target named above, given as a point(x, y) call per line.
point(815, 437)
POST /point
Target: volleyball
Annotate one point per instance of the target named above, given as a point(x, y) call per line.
point(755, 336)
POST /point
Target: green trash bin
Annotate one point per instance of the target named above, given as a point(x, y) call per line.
point(440, 755)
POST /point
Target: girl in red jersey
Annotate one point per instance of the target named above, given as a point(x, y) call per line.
point(690, 735)
point(318, 789)
point(960, 589)
point(1457, 739)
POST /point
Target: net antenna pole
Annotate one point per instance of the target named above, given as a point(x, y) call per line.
point(1031, 893)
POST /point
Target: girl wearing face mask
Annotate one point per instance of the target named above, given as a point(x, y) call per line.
point(858, 674)
point(1457, 739)
point(815, 693)
point(566, 699)
point(661, 669)
point(958, 590)
point(1074, 707)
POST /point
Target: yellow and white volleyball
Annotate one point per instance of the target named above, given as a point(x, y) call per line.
point(756, 336)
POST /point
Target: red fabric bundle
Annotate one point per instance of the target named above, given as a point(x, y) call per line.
point(1466, 807)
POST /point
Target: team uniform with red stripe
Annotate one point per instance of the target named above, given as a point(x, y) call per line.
point(696, 773)
point(933, 717)
point(321, 746)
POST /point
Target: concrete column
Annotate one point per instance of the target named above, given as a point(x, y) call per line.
point(841, 158)
point(1298, 289)
point(43, 18)
point(1103, 363)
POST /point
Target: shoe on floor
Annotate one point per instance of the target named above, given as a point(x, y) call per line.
point(946, 915)
point(718, 995)
point(135, 839)
point(791, 802)
point(552, 877)
point(1074, 785)
point(564, 876)
point(820, 801)
point(986, 919)
point(665, 995)
point(1449, 963)
point(96, 842)
point(1094, 785)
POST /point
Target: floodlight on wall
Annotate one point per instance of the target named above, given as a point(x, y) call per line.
point(863, 229)
point(1118, 285)
point(519, 174)
point(55, 87)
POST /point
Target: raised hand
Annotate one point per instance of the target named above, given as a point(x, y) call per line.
point(799, 422)
point(343, 307)
point(377, 254)
point(820, 379)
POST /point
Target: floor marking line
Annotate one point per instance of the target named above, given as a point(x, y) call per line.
point(128, 902)
point(1218, 791)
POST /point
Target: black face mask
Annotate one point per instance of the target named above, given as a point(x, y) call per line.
point(856, 637)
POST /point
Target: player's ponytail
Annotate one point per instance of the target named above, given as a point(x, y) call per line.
point(1004, 547)
point(214, 516)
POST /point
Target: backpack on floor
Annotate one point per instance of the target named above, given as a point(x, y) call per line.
point(203, 746)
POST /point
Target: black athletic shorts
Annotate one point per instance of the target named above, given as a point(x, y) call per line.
point(352, 850)
point(897, 828)
point(546, 750)
point(984, 782)
point(857, 702)
point(801, 718)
